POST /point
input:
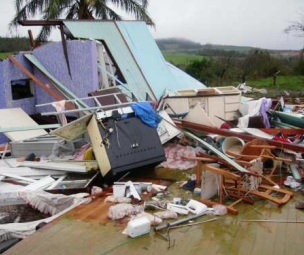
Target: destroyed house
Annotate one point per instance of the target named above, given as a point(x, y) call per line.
point(103, 54)
point(207, 170)
point(106, 54)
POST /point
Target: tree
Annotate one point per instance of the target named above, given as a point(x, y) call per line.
point(299, 65)
point(199, 69)
point(77, 9)
point(296, 27)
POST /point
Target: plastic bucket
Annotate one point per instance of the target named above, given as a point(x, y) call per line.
point(232, 144)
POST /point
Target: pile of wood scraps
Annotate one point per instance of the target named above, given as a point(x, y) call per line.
point(239, 176)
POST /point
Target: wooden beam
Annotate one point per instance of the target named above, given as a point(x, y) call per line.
point(245, 137)
point(217, 152)
point(32, 41)
point(284, 131)
point(58, 96)
point(210, 203)
point(40, 22)
point(25, 128)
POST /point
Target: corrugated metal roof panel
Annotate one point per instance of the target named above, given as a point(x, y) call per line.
point(184, 80)
point(109, 33)
point(152, 62)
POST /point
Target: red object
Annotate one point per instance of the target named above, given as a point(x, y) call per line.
point(280, 139)
point(225, 125)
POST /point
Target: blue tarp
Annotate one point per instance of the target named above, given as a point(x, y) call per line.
point(145, 112)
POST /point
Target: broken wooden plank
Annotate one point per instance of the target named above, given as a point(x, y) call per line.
point(12, 117)
point(27, 171)
point(246, 137)
point(40, 184)
point(57, 95)
point(210, 203)
point(217, 152)
point(18, 177)
point(26, 128)
point(55, 183)
point(55, 166)
point(64, 90)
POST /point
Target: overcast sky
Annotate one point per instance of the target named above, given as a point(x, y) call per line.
point(257, 23)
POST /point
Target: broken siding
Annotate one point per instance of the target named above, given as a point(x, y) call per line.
point(109, 33)
point(3, 138)
point(10, 73)
point(151, 60)
point(2, 91)
point(83, 62)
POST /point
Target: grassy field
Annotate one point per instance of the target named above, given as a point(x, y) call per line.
point(289, 83)
point(293, 83)
point(181, 59)
point(3, 54)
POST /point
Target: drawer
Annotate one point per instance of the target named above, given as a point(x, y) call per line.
point(231, 107)
point(232, 99)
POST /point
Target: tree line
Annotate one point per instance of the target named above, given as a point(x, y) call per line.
point(13, 44)
point(219, 69)
point(216, 67)
point(221, 65)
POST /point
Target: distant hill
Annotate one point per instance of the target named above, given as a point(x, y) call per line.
point(181, 45)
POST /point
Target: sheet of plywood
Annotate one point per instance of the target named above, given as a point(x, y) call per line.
point(198, 115)
point(74, 129)
point(16, 117)
point(99, 149)
point(166, 129)
point(216, 107)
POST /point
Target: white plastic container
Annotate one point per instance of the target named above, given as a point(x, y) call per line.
point(138, 227)
point(233, 144)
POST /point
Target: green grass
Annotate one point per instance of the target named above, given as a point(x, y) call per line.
point(181, 59)
point(295, 83)
point(3, 54)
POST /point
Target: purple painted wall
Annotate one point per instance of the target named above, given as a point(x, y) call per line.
point(84, 74)
point(83, 63)
point(2, 98)
point(9, 72)
point(3, 138)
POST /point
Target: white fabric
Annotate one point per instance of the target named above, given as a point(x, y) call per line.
point(252, 108)
point(22, 230)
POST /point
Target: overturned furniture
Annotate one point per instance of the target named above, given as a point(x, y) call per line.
point(120, 140)
point(227, 101)
point(238, 179)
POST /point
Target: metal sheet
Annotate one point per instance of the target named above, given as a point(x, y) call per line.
point(158, 73)
point(110, 34)
point(14, 117)
point(73, 129)
point(217, 152)
point(184, 80)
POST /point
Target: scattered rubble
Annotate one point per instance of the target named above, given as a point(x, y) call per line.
point(231, 147)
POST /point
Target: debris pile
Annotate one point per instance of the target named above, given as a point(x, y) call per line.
point(119, 121)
